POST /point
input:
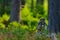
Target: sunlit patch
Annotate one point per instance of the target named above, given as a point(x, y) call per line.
point(5, 17)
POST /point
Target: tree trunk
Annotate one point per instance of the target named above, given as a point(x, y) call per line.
point(54, 18)
point(3, 7)
point(15, 10)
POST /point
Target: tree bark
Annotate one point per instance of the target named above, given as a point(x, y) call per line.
point(15, 11)
point(54, 16)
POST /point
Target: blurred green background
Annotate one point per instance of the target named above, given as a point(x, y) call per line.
point(30, 16)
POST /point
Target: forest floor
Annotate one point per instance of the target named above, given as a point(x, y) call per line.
point(10, 36)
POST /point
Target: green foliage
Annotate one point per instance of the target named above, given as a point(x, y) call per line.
point(29, 22)
point(2, 25)
point(5, 17)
